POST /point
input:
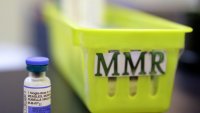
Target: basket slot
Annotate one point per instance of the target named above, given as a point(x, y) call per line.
point(133, 85)
point(154, 85)
point(111, 86)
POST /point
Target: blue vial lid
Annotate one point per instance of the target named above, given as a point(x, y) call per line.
point(37, 61)
point(37, 64)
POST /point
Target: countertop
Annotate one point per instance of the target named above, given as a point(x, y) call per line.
point(65, 100)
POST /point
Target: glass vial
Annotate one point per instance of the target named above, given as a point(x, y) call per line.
point(37, 86)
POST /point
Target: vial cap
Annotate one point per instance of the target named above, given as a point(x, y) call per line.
point(37, 61)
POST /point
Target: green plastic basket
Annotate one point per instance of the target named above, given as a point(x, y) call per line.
point(74, 50)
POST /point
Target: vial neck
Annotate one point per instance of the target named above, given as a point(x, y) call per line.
point(36, 75)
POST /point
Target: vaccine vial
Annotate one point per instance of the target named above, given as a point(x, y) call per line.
point(37, 86)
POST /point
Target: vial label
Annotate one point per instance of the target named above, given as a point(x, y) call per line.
point(37, 99)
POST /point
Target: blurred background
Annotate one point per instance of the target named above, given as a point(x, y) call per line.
point(23, 33)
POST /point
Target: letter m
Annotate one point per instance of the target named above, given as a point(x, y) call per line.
point(106, 69)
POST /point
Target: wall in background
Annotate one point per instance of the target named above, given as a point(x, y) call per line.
point(15, 21)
